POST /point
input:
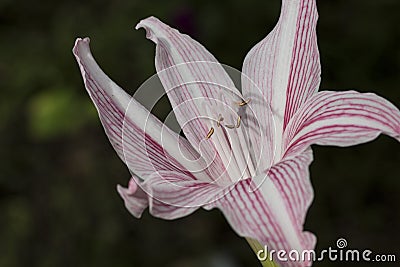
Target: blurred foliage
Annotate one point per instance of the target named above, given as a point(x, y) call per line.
point(58, 202)
point(58, 111)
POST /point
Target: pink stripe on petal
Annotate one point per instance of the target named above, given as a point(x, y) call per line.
point(135, 134)
point(273, 214)
point(341, 119)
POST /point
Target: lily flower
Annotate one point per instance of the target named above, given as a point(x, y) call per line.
point(246, 153)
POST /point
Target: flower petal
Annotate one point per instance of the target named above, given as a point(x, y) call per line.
point(135, 134)
point(341, 119)
point(273, 214)
point(196, 84)
point(282, 71)
point(135, 198)
point(169, 195)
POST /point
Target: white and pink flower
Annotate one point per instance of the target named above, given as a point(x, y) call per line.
point(235, 140)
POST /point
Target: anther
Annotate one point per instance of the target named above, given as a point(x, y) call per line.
point(238, 122)
point(210, 133)
point(230, 126)
point(244, 102)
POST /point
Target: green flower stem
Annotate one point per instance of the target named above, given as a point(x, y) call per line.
point(256, 246)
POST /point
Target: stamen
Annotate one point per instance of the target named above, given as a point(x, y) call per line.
point(229, 126)
point(238, 122)
point(243, 103)
point(220, 119)
point(210, 133)
point(231, 146)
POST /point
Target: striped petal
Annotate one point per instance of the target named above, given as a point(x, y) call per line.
point(273, 214)
point(341, 119)
point(282, 71)
point(134, 133)
point(169, 195)
point(135, 198)
point(198, 87)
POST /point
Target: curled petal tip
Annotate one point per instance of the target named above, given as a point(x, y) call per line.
point(144, 23)
point(81, 44)
point(138, 26)
point(135, 204)
point(119, 188)
point(149, 34)
point(122, 191)
point(84, 40)
point(150, 24)
point(79, 40)
point(150, 19)
point(131, 190)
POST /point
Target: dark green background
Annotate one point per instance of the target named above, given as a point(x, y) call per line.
point(58, 172)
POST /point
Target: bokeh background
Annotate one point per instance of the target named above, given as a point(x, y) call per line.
point(58, 172)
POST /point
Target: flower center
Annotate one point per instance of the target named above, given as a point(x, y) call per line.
point(229, 140)
point(229, 126)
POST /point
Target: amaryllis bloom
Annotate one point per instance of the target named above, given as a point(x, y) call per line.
point(246, 153)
